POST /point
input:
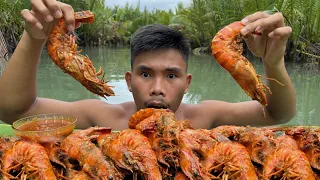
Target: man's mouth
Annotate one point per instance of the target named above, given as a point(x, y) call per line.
point(156, 104)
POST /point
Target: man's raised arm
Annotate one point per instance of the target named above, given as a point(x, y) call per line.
point(18, 83)
point(271, 48)
point(266, 36)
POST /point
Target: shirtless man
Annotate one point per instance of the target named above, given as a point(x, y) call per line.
point(158, 77)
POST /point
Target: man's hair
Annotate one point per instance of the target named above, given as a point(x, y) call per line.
point(157, 37)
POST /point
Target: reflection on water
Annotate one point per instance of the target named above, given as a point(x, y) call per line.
point(209, 81)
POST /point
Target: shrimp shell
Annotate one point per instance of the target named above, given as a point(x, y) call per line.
point(227, 51)
point(62, 49)
point(193, 147)
point(28, 157)
point(132, 151)
point(231, 161)
point(78, 146)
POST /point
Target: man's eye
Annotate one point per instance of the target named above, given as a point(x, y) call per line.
point(171, 76)
point(144, 74)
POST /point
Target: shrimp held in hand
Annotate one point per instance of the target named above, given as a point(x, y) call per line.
point(63, 51)
point(227, 50)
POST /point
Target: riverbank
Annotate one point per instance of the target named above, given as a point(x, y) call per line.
point(310, 55)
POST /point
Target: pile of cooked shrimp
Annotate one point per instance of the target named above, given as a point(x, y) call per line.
point(158, 146)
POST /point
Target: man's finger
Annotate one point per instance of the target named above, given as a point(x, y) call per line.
point(272, 21)
point(38, 6)
point(68, 13)
point(30, 19)
point(253, 17)
point(249, 39)
point(282, 32)
point(54, 8)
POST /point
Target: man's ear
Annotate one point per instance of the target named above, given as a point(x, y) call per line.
point(128, 80)
point(189, 78)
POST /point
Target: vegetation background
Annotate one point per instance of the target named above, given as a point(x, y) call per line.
point(199, 20)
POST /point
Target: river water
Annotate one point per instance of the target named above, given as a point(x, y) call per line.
point(210, 81)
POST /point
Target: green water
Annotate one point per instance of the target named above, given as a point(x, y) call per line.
point(210, 81)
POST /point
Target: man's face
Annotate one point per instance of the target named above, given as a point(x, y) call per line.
point(158, 79)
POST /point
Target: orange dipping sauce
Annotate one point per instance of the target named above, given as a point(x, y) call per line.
point(44, 128)
point(43, 125)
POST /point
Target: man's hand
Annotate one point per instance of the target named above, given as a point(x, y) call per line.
point(43, 15)
point(271, 45)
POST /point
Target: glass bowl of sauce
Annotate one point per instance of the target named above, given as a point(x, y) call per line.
point(44, 128)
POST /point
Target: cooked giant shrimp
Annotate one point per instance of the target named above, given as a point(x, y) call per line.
point(63, 51)
point(27, 159)
point(231, 132)
point(132, 151)
point(162, 129)
point(287, 162)
point(231, 161)
point(78, 146)
point(194, 146)
point(308, 140)
point(259, 143)
point(227, 50)
point(55, 153)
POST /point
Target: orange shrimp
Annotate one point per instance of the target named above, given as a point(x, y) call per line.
point(287, 162)
point(77, 175)
point(132, 151)
point(162, 129)
point(27, 159)
point(259, 143)
point(286, 141)
point(193, 148)
point(180, 176)
point(229, 160)
point(63, 51)
point(140, 115)
point(308, 140)
point(227, 50)
point(82, 176)
point(231, 132)
point(78, 146)
point(6, 143)
point(55, 153)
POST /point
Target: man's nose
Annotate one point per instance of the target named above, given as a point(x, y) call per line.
point(157, 88)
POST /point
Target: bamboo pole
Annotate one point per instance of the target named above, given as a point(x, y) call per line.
point(308, 54)
point(3, 53)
